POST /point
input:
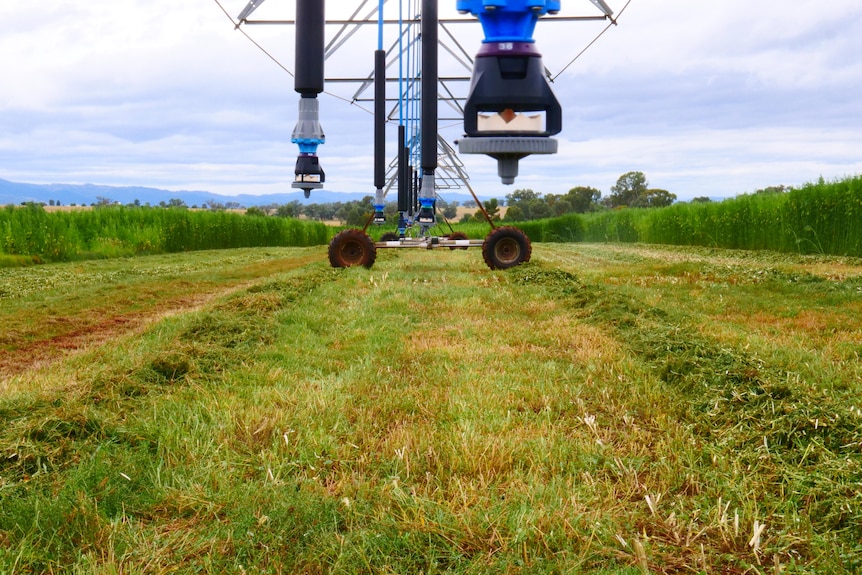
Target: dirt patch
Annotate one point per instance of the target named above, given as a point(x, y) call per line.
point(80, 337)
point(106, 321)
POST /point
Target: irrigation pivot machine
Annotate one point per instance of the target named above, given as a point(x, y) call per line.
point(509, 111)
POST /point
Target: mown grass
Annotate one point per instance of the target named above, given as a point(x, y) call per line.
point(603, 409)
point(50, 310)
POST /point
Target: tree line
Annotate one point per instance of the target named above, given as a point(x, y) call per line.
point(631, 190)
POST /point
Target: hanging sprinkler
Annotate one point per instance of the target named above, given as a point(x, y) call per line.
point(308, 81)
point(511, 111)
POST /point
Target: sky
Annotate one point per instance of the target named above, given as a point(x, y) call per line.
point(706, 98)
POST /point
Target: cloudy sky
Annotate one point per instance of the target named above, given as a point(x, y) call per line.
point(707, 98)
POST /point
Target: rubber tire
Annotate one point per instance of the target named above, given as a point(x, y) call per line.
point(352, 248)
point(506, 248)
point(458, 236)
point(389, 237)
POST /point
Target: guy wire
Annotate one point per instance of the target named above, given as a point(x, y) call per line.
point(596, 39)
point(279, 64)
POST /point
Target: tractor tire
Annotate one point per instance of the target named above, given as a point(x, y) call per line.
point(352, 248)
point(505, 248)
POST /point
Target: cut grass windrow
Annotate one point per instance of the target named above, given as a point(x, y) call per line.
point(596, 411)
point(50, 311)
point(798, 427)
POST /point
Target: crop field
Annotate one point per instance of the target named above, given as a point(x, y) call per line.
point(613, 408)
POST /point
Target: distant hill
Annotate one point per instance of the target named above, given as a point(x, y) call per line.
point(86, 194)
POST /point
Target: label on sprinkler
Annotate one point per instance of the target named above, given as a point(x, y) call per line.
point(313, 178)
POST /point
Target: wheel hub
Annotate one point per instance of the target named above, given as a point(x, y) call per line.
point(508, 250)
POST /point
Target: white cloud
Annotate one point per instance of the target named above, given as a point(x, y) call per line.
point(707, 98)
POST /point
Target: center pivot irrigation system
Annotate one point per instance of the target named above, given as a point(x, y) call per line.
point(510, 112)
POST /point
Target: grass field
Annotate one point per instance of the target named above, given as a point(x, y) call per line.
point(603, 409)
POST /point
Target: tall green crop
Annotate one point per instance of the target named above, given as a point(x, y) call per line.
point(126, 231)
point(822, 217)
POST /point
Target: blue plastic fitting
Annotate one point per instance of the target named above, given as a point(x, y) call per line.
point(307, 145)
point(508, 20)
point(379, 216)
point(425, 217)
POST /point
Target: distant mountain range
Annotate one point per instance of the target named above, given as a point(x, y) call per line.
point(86, 194)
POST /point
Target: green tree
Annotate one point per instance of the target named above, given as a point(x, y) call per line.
point(583, 199)
point(390, 211)
point(290, 210)
point(255, 211)
point(322, 212)
point(539, 209)
point(774, 190)
point(492, 206)
point(655, 199)
point(562, 207)
point(627, 190)
point(526, 201)
point(514, 214)
point(356, 213)
point(450, 210)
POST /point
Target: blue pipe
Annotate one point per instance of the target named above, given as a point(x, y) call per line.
point(400, 63)
point(380, 25)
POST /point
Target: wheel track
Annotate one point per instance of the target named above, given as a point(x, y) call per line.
point(81, 332)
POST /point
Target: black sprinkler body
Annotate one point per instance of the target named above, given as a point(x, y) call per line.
point(308, 82)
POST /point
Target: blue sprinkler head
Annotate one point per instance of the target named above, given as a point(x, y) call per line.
point(308, 135)
point(508, 20)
